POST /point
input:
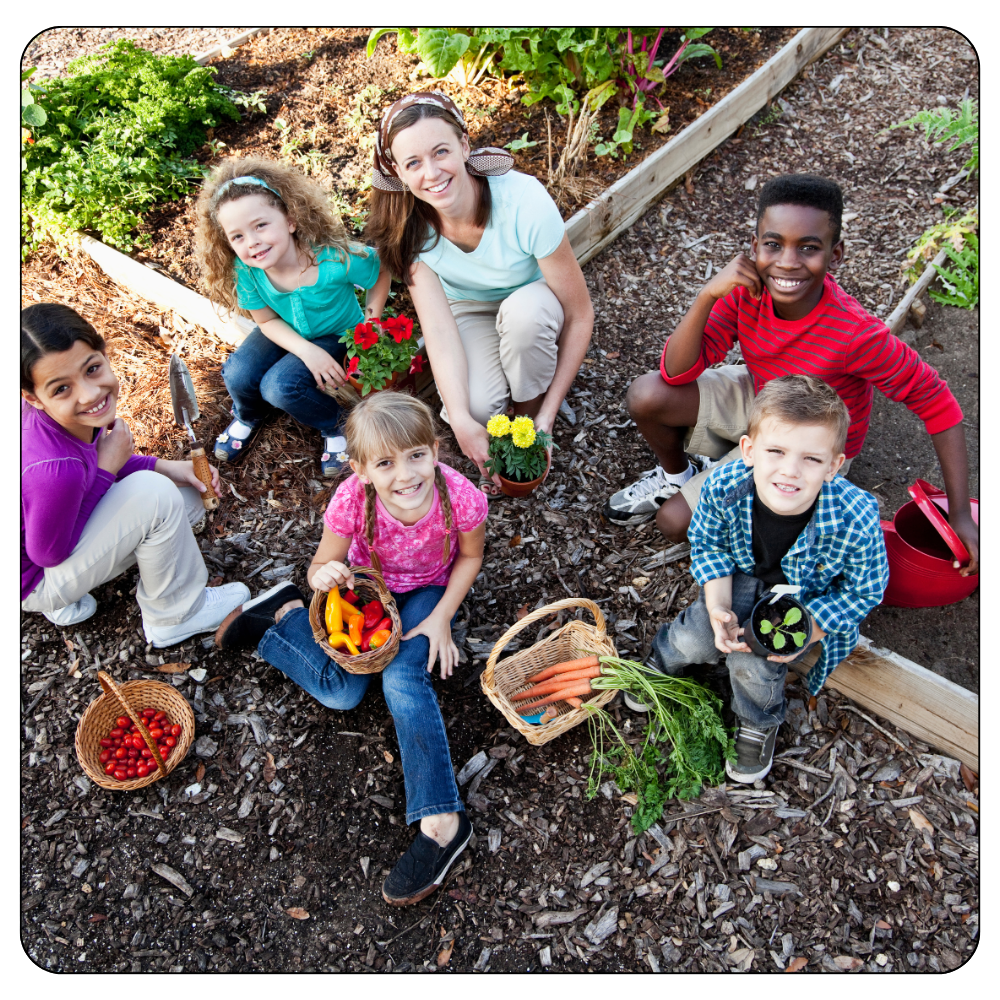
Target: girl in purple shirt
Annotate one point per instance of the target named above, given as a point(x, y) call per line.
point(90, 507)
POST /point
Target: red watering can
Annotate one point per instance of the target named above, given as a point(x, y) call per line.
point(922, 548)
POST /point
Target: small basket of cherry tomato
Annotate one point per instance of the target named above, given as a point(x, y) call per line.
point(360, 628)
point(133, 734)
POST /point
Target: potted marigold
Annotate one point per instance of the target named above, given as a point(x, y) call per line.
point(518, 453)
point(381, 353)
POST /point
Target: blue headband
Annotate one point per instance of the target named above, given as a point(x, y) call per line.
point(243, 180)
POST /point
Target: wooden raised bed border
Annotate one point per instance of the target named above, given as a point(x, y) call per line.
point(922, 703)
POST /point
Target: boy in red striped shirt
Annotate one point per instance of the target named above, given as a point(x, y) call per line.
point(789, 317)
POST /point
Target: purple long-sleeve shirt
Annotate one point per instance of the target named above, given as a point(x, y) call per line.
point(60, 487)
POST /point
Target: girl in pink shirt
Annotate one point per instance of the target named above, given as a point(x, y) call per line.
point(422, 525)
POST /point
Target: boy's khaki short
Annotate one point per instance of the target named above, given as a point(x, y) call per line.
point(726, 397)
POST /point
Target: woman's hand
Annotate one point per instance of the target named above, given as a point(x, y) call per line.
point(182, 473)
point(114, 447)
point(324, 369)
point(727, 631)
point(332, 574)
point(475, 443)
point(437, 628)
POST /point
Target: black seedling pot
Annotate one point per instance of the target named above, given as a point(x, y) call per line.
point(762, 642)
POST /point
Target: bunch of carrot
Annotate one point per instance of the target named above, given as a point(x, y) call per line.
point(568, 681)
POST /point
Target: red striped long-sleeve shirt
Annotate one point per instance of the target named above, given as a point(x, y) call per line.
point(838, 342)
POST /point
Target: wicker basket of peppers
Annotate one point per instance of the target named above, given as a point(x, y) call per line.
point(359, 629)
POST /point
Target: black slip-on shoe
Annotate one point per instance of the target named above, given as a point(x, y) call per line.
point(424, 866)
point(247, 624)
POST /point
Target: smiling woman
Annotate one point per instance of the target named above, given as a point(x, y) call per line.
point(501, 299)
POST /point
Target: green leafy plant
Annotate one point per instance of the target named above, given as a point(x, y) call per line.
point(522, 143)
point(954, 230)
point(630, 120)
point(685, 719)
point(944, 124)
point(780, 634)
point(119, 132)
point(32, 114)
point(252, 102)
point(379, 349)
point(462, 54)
point(961, 281)
point(517, 450)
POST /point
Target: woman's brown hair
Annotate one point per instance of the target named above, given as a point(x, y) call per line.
point(317, 224)
point(401, 226)
point(387, 422)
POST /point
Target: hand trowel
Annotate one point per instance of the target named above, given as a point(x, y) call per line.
point(186, 412)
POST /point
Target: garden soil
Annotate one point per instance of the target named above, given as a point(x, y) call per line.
point(265, 849)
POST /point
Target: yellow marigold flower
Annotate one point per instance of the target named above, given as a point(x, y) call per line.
point(523, 432)
point(498, 425)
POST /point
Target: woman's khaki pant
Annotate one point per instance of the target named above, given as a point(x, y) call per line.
point(145, 519)
point(511, 346)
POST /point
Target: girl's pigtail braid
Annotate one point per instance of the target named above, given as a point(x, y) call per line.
point(442, 486)
point(370, 526)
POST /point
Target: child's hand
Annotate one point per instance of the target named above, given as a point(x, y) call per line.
point(438, 631)
point(332, 574)
point(114, 447)
point(727, 631)
point(182, 473)
point(740, 272)
point(324, 369)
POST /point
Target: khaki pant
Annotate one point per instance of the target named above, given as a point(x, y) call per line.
point(145, 519)
point(726, 397)
point(511, 346)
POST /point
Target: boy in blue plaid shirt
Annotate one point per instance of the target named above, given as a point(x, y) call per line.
point(781, 516)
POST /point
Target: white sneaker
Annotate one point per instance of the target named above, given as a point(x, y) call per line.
point(219, 601)
point(72, 614)
point(639, 502)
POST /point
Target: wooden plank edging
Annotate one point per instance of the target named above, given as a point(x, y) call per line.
point(922, 703)
point(896, 320)
point(230, 43)
point(597, 224)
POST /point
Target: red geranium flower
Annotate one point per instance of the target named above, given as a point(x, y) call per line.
point(365, 335)
point(399, 328)
point(417, 365)
point(353, 366)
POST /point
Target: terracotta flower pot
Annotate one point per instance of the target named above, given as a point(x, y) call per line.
point(513, 488)
point(393, 382)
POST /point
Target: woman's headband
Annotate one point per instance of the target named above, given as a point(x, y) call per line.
point(485, 162)
point(248, 179)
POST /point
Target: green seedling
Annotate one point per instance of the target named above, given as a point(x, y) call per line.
point(523, 143)
point(792, 617)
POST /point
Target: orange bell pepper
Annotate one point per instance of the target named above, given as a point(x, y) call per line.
point(339, 641)
point(354, 629)
point(379, 638)
point(334, 616)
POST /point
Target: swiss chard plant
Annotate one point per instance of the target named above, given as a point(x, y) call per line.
point(112, 138)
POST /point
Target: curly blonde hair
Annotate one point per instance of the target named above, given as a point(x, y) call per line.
point(317, 223)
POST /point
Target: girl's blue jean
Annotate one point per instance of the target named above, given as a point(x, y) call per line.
point(260, 375)
point(408, 689)
point(758, 683)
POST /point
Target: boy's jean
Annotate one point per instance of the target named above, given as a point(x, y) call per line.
point(260, 375)
point(758, 683)
point(408, 689)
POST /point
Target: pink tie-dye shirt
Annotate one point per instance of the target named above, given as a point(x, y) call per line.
point(410, 553)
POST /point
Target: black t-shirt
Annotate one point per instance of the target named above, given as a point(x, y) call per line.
point(773, 535)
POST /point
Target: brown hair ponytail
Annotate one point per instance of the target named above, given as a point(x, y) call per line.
point(370, 527)
point(439, 482)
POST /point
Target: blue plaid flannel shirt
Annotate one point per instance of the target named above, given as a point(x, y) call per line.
point(838, 560)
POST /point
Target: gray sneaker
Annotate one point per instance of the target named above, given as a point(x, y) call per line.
point(639, 502)
point(73, 614)
point(754, 752)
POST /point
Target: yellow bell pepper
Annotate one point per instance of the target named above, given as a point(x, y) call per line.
point(347, 609)
point(334, 616)
point(339, 641)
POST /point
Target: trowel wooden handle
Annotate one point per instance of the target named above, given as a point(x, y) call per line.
point(204, 473)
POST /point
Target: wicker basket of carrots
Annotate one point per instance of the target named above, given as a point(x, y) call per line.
point(550, 681)
point(359, 629)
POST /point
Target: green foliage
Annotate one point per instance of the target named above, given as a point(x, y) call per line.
point(32, 114)
point(781, 633)
point(118, 137)
point(942, 124)
point(518, 464)
point(683, 715)
point(961, 282)
point(629, 122)
point(252, 102)
point(522, 143)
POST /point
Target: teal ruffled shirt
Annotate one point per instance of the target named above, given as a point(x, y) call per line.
point(329, 306)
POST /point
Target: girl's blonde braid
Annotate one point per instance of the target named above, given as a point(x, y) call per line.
point(442, 486)
point(370, 526)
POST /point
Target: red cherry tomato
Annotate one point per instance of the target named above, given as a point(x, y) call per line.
point(111, 767)
point(175, 730)
point(123, 721)
point(121, 753)
point(160, 715)
point(170, 741)
point(146, 752)
point(165, 752)
point(105, 756)
point(130, 771)
point(120, 773)
point(116, 733)
point(107, 743)
point(156, 733)
point(132, 752)
point(148, 713)
point(140, 771)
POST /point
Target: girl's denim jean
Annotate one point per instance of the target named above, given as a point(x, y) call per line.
point(260, 375)
point(758, 683)
point(408, 689)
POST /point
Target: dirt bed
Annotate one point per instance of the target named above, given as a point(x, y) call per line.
point(861, 853)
